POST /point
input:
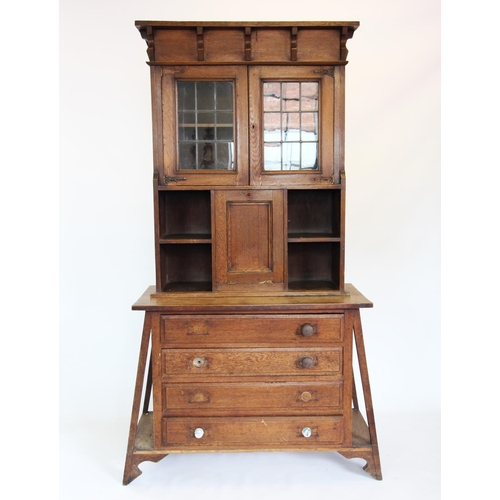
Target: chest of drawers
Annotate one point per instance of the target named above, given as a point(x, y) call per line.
point(250, 374)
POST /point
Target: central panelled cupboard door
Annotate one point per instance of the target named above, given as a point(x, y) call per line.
point(249, 234)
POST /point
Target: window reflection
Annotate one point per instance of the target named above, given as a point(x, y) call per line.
point(291, 132)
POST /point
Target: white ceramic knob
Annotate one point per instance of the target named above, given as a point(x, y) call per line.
point(198, 362)
point(199, 433)
point(306, 432)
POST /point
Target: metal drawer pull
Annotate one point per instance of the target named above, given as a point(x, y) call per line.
point(307, 329)
point(307, 362)
point(199, 433)
point(306, 432)
point(198, 362)
point(306, 396)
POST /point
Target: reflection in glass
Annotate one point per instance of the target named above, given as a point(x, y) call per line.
point(206, 155)
point(187, 155)
point(309, 156)
point(309, 96)
point(186, 95)
point(205, 125)
point(224, 155)
point(291, 156)
point(291, 96)
point(291, 125)
point(272, 94)
point(309, 127)
point(205, 98)
point(272, 127)
point(187, 129)
point(272, 155)
point(224, 95)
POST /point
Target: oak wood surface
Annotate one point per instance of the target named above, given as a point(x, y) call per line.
point(228, 330)
point(220, 303)
point(249, 42)
point(229, 362)
point(250, 323)
point(252, 431)
point(249, 246)
point(252, 398)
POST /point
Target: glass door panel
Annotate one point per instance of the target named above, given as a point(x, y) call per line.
point(203, 145)
point(291, 125)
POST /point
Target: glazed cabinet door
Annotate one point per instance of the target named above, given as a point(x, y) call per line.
point(249, 246)
point(292, 125)
point(204, 125)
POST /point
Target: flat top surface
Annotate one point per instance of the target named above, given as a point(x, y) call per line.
point(251, 303)
point(270, 24)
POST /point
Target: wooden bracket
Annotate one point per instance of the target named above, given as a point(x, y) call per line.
point(200, 43)
point(149, 37)
point(293, 41)
point(345, 34)
point(248, 44)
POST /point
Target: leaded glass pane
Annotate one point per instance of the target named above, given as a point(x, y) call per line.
point(291, 125)
point(205, 125)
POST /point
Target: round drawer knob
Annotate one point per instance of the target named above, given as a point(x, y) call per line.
point(198, 362)
point(306, 396)
point(307, 329)
point(307, 362)
point(199, 433)
point(306, 432)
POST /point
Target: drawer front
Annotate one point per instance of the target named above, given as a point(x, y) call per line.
point(247, 432)
point(269, 329)
point(246, 362)
point(255, 398)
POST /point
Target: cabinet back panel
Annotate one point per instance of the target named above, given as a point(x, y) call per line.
point(185, 212)
point(314, 212)
point(313, 262)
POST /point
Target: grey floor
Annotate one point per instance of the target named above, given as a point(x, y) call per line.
point(92, 456)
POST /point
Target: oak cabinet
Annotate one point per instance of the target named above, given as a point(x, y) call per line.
point(248, 331)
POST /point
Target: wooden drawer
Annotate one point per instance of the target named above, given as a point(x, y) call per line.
point(263, 329)
point(240, 433)
point(252, 399)
point(200, 363)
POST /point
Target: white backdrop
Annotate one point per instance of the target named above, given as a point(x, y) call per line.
point(107, 253)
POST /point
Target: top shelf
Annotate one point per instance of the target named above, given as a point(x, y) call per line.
point(249, 24)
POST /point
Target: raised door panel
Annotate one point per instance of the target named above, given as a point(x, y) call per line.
point(249, 248)
point(204, 125)
point(292, 126)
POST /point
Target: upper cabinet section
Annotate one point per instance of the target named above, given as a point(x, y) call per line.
point(242, 42)
point(247, 104)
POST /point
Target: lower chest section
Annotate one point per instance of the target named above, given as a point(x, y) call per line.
point(251, 382)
